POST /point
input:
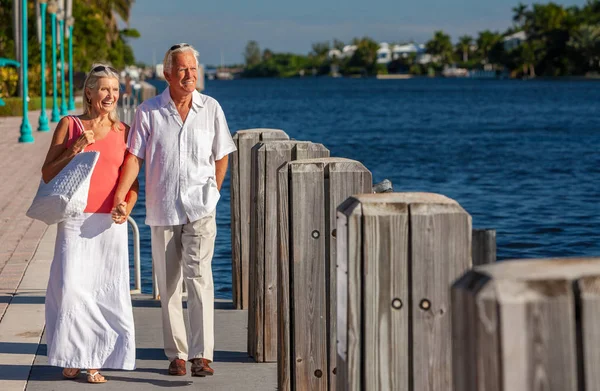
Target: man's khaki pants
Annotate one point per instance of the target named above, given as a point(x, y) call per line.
point(188, 248)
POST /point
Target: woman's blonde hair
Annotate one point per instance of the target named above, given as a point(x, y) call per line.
point(97, 72)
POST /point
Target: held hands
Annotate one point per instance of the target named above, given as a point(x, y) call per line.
point(86, 138)
point(119, 213)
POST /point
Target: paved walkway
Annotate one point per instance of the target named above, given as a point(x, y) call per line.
point(19, 176)
point(26, 249)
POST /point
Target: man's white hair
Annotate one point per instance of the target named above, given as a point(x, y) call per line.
point(178, 48)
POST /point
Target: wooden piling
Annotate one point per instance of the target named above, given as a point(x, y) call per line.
point(484, 246)
point(267, 158)
point(309, 193)
point(525, 325)
point(398, 254)
point(240, 207)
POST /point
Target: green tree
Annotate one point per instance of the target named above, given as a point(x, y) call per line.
point(440, 47)
point(267, 55)
point(586, 41)
point(485, 43)
point(520, 14)
point(364, 59)
point(252, 53)
point(464, 46)
point(320, 50)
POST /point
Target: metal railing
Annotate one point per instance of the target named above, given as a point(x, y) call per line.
point(136, 256)
point(127, 108)
point(137, 267)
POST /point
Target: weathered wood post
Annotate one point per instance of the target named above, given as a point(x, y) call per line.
point(525, 325)
point(309, 192)
point(240, 207)
point(398, 254)
point(267, 158)
point(484, 246)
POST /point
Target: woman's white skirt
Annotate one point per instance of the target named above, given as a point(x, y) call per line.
point(89, 319)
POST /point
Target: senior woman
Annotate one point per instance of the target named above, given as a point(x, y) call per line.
point(89, 319)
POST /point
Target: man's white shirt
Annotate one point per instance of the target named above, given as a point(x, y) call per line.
point(180, 157)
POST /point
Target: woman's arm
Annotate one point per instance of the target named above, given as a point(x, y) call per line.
point(123, 209)
point(59, 155)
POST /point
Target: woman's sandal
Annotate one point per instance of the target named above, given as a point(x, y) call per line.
point(96, 377)
point(70, 376)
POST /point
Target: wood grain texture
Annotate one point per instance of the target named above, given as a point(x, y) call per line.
point(256, 281)
point(267, 158)
point(385, 295)
point(307, 207)
point(349, 295)
point(463, 343)
point(275, 157)
point(246, 142)
point(284, 325)
point(440, 253)
point(240, 207)
point(551, 341)
point(589, 301)
point(236, 262)
point(342, 180)
point(535, 325)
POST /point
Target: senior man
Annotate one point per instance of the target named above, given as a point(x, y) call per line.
point(183, 138)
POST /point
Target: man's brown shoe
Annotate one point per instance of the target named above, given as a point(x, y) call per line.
point(201, 368)
point(177, 367)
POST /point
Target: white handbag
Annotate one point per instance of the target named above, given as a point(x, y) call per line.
point(67, 193)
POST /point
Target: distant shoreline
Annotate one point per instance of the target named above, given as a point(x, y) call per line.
point(409, 77)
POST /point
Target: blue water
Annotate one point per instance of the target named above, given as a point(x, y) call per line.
point(520, 157)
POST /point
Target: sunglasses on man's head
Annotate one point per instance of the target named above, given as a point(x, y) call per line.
point(179, 45)
point(101, 68)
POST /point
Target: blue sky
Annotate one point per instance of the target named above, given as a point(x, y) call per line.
point(225, 26)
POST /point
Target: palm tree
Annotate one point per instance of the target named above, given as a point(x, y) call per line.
point(464, 46)
point(520, 14)
point(112, 10)
point(440, 46)
point(485, 42)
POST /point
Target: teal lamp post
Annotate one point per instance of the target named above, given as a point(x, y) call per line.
point(43, 123)
point(52, 8)
point(70, 23)
point(26, 136)
point(63, 99)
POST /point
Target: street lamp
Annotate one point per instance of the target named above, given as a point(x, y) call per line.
point(26, 136)
point(43, 123)
point(70, 23)
point(52, 9)
point(61, 23)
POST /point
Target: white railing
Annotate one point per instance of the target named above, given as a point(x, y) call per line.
point(136, 256)
point(129, 103)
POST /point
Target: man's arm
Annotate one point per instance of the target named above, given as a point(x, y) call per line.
point(221, 170)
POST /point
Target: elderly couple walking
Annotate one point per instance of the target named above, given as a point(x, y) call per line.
point(183, 139)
